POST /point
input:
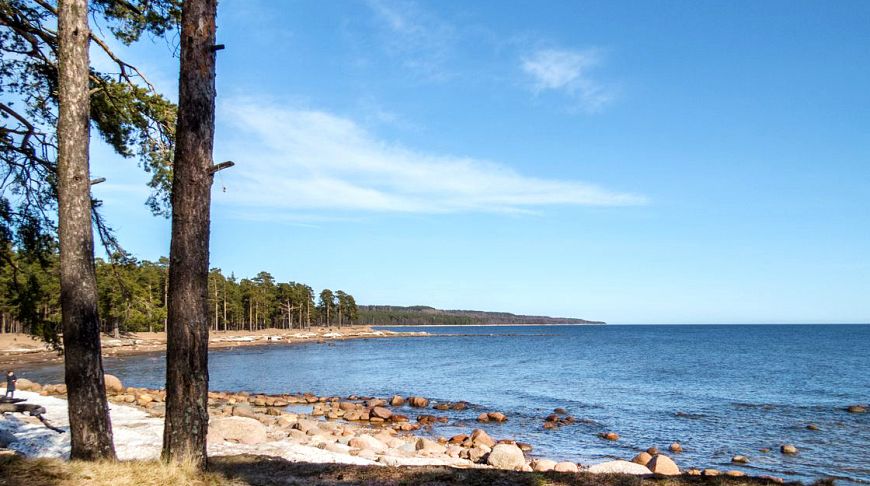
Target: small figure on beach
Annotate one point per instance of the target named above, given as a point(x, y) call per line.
point(10, 383)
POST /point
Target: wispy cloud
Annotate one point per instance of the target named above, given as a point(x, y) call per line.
point(567, 71)
point(420, 39)
point(305, 160)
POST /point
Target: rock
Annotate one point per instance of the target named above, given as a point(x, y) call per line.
point(543, 465)
point(6, 438)
point(525, 447)
point(442, 407)
point(506, 456)
point(397, 401)
point(113, 384)
point(560, 411)
point(643, 458)
point(337, 448)
point(789, 449)
point(851, 409)
point(652, 451)
point(418, 402)
point(619, 467)
point(479, 437)
point(367, 442)
point(812, 427)
point(484, 417)
point(24, 384)
point(676, 448)
point(243, 430)
point(397, 418)
point(566, 467)
point(738, 459)
point(693, 472)
point(662, 464)
point(244, 411)
point(735, 474)
point(425, 445)
point(710, 472)
point(478, 453)
point(497, 416)
point(380, 412)
point(609, 435)
point(458, 439)
point(459, 406)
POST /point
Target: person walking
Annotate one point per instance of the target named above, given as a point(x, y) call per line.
point(10, 383)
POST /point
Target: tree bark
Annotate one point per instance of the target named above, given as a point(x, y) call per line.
point(186, 427)
point(90, 427)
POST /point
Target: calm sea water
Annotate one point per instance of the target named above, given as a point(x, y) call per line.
point(719, 390)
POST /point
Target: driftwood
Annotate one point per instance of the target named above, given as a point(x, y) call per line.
point(32, 410)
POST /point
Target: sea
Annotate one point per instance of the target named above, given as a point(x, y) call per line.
point(718, 390)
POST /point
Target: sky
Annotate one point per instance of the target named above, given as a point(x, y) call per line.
point(632, 162)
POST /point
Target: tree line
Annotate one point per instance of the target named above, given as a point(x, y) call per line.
point(132, 297)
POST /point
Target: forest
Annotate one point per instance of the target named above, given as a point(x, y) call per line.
point(390, 315)
point(132, 297)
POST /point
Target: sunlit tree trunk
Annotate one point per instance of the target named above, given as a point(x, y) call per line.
point(186, 427)
point(90, 427)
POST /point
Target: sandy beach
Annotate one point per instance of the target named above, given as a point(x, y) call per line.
point(17, 349)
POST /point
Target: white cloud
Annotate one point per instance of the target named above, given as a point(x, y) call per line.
point(304, 160)
point(567, 71)
point(421, 40)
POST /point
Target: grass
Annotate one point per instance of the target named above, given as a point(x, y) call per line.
point(262, 470)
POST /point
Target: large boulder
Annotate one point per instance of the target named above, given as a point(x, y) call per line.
point(566, 467)
point(506, 456)
point(418, 402)
point(543, 465)
point(380, 412)
point(26, 385)
point(643, 458)
point(480, 437)
point(367, 443)
point(397, 401)
point(662, 464)
point(619, 467)
point(113, 384)
point(243, 430)
point(789, 449)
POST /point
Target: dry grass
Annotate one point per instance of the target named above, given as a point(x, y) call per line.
point(263, 470)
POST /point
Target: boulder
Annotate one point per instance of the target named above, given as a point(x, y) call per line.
point(243, 430)
point(566, 467)
point(662, 464)
point(497, 416)
point(24, 384)
point(560, 411)
point(735, 474)
point(380, 412)
point(418, 402)
point(851, 409)
point(442, 407)
point(652, 451)
point(506, 456)
point(397, 401)
point(543, 465)
point(812, 427)
point(484, 417)
point(609, 435)
point(789, 449)
point(676, 448)
point(368, 443)
point(710, 472)
point(429, 446)
point(113, 384)
point(643, 458)
point(244, 411)
point(619, 467)
point(458, 439)
point(738, 459)
point(479, 437)
point(478, 453)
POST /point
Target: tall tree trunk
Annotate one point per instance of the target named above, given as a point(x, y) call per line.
point(186, 427)
point(90, 427)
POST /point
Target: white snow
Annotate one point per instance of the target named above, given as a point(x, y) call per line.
point(139, 436)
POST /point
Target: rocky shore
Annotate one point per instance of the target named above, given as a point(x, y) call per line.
point(349, 430)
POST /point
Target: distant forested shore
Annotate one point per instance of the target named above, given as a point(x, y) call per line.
point(418, 315)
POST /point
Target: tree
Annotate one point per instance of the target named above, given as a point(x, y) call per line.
point(327, 303)
point(90, 427)
point(186, 426)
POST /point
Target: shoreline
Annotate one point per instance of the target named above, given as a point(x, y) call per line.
point(365, 431)
point(25, 350)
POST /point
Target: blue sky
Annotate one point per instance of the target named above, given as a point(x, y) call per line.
point(635, 162)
